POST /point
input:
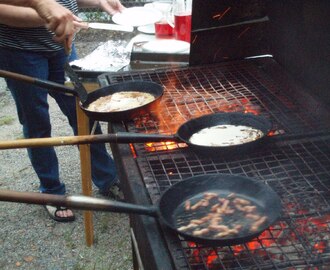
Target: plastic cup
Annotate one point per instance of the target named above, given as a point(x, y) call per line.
point(162, 28)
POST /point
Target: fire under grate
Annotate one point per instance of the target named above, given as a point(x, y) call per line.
point(296, 162)
point(299, 172)
point(240, 86)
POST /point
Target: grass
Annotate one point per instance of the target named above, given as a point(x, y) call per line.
point(68, 239)
point(6, 120)
point(104, 224)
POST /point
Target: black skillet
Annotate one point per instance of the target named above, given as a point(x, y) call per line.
point(192, 126)
point(87, 98)
point(171, 204)
point(186, 130)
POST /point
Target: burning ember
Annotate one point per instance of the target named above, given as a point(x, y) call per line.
point(279, 243)
point(220, 15)
point(163, 146)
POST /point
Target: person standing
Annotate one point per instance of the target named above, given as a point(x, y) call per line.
point(28, 47)
point(58, 19)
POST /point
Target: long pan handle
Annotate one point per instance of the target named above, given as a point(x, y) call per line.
point(120, 137)
point(76, 202)
point(42, 83)
point(78, 85)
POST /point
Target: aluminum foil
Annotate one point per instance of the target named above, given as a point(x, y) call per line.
point(109, 56)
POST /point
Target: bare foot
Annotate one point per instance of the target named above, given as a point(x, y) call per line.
point(59, 213)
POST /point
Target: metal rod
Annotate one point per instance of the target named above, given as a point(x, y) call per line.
point(42, 83)
point(86, 139)
point(76, 202)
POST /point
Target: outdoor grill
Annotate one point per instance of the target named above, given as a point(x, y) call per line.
point(289, 85)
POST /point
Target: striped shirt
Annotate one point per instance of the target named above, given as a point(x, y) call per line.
point(33, 39)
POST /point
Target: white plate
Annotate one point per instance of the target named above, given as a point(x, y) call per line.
point(137, 16)
point(166, 46)
point(147, 29)
point(138, 39)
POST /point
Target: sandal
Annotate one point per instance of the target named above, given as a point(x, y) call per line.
point(52, 212)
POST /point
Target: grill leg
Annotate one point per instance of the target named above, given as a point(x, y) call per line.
point(137, 262)
point(86, 175)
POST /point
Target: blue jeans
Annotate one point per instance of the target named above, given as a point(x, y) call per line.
point(33, 114)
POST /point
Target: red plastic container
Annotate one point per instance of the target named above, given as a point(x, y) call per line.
point(182, 27)
point(163, 30)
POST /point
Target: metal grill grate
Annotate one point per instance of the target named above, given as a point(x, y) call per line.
point(296, 164)
point(236, 86)
point(298, 172)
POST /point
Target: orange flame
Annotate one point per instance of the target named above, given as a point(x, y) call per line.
point(320, 247)
point(133, 150)
point(161, 146)
point(176, 108)
point(211, 258)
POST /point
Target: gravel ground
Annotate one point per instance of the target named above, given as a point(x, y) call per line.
point(28, 238)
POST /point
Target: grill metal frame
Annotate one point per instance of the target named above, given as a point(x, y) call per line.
point(295, 163)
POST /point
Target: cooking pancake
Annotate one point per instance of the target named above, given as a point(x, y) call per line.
point(120, 101)
point(225, 135)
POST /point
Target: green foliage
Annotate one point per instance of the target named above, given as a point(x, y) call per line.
point(96, 16)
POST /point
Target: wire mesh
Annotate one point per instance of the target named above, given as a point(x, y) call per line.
point(296, 167)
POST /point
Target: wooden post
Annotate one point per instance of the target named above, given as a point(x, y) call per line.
point(86, 174)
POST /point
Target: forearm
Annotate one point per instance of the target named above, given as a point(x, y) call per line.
point(20, 16)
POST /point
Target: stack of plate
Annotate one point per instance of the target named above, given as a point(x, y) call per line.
point(166, 46)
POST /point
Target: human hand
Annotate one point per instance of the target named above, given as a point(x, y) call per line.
point(58, 19)
point(111, 6)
